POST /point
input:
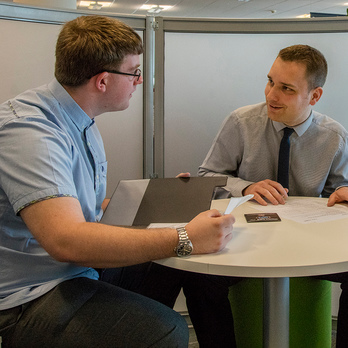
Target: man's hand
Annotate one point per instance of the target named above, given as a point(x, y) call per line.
point(274, 192)
point(105, 203)
point(183, 175)
point(210, 231)
point(339, 196)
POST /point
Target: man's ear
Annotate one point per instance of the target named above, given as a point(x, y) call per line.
point(101, 81)
point(316, 95)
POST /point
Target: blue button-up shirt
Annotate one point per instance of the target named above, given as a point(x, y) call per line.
point(49, 148)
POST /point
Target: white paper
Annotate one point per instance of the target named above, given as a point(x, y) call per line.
point(306, 211)
point(236, 201)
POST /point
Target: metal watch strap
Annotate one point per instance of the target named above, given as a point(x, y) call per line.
point(184, 246)
point(183, 237)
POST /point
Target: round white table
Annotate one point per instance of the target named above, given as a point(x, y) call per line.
point(276, 251)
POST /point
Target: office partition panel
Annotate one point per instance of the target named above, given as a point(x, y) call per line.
point(208, 75)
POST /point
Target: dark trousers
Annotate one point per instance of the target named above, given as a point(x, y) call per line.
point(206, 297)
point(342, 319)
point(85, 313)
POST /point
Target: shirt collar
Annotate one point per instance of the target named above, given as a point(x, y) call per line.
point(72, 109)
point(300, 129)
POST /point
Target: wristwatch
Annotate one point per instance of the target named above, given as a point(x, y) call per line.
point(185, 246)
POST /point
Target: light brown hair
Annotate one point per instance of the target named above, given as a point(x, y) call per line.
point(314, 60)
point(89, 44)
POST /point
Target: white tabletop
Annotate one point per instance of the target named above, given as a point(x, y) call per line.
point(274, 249)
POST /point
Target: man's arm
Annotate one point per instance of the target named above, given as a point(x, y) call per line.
point(235, 185)
point(338, 176)
point(223, 158)
point(231, 154)
point(263, 191)
point(59, 226)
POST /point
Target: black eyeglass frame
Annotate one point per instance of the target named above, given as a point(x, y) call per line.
point(123, 73)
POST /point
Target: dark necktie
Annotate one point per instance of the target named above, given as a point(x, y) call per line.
point(283, 162)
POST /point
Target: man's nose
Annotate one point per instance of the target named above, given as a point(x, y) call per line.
point(272, 93)
point(140, 81)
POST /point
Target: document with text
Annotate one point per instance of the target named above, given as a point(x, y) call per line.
point(306, 210)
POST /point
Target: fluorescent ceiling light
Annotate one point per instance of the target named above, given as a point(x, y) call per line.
point(155, 8)
point(94, 5)
point(306, 15)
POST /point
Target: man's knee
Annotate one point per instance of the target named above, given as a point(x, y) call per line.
point(177, 334)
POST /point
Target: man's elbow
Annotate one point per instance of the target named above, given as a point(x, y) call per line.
point(63, 255)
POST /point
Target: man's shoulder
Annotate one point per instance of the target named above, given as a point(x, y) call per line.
point(255, 110)
point(27, 104)
point(327, 123)
point(250, 113)
point(33, 122)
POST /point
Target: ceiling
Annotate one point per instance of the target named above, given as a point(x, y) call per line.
point(231, 8)
point(266, 9)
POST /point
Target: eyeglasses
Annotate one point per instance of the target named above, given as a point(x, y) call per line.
point(137, 73)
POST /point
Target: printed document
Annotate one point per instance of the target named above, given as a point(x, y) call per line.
point(306, 210)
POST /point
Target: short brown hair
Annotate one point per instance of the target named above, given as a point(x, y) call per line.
point(314, 60)
point(89, 44)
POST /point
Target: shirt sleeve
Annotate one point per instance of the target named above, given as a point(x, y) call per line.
point(36, 161)
point(338, 176)
point(225, 155)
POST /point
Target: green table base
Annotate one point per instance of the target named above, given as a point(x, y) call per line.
point(310, 313)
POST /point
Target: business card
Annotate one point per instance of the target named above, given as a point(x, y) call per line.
point(262, 217)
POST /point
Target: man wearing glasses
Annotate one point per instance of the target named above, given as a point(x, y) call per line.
point(52, 187)
point(136, 76)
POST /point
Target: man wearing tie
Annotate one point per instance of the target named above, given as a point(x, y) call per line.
point(247, 148)
point(282, 147)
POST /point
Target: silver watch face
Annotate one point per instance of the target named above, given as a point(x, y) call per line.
point(184, 249)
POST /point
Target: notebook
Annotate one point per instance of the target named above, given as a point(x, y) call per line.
point(168, 200)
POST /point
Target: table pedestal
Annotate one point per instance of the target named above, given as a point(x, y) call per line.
point(276, 313)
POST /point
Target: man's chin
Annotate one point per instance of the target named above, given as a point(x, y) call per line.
point(274, 116)
point(122, 107)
